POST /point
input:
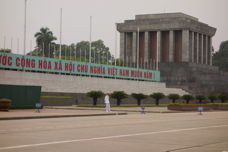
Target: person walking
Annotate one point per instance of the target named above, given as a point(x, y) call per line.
point(107, 103)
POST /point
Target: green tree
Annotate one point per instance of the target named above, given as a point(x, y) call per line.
point(82, 50)
point(200, 98)
point(95, 95)
point(6, 50)
point(157, 96)
point(223, 97)
point(119, 62)
point(67, 52)
point(173, 97)
point(44, 41)
point(220, 58)
point(119, 95)
point(212, 98)
point(138, 97)
point(102, 54)
point(99, 52)
point(187, 97)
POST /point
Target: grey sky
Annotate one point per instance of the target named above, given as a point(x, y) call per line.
point(105, 13)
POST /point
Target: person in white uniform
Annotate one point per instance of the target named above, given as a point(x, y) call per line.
point(107, 103)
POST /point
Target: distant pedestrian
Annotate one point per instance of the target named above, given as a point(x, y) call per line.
point(107, 103)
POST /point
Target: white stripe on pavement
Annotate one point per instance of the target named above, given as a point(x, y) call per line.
point(109, 137)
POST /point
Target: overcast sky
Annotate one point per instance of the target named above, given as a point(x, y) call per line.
point(105, 13)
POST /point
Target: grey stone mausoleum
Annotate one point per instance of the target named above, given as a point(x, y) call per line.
point(168, 37)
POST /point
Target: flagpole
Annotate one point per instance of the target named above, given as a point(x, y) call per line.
point(115, 44)
point(25, 13)
point(54, 51)
point(4, 45)
point(70, 52)
point(115, 50)
point(31, 45)
point(80, 55)
point(60, 47)
point(65, 49)
point(49, 50)
point(94, 55)
point(107, 57)
point(85, 55)
point(138, 52)
point(157, 52)
point(11, 45)
point(43, 49)
point(138, 49)
point(75, 53)
point(17, 45)
point(90, 38)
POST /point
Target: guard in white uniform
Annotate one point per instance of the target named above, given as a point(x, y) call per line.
point(107, 103)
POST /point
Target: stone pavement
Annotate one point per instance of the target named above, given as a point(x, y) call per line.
point(73, 111)
point(52, 113)
point(150, 132)
point(118, 109)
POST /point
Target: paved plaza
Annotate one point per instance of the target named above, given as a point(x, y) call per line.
point(53, 113)
point(74, 111)
point(150, 132)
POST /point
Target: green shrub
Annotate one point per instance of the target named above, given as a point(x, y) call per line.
point(118, 95)
point(212, 98)
point(223, 97)
point(95, 95)
point(173, 97)
point(157, 96)
point(200, 98)
point(138, 97)
point(187, 97)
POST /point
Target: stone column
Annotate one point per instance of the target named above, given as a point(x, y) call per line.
point(128, 46)
point(193, 50)
point(185, 45)
point(134, 47)
point(122, 45)
point(202, 49)
point(158, 46)
point(171, 46)
point(202, 62)
point(210, 49)
point(146, 48)
point(206, 52)
point(197, 48)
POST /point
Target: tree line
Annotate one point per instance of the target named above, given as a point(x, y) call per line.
point(119, 95)
point(220, 58)
point(46, 47)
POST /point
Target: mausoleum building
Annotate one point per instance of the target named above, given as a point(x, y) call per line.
point(168, 37)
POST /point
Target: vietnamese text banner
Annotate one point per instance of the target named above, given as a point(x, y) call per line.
point(34, 63)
